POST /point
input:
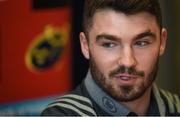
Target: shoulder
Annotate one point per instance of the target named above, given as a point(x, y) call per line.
point(172, 102)
point(74, 103)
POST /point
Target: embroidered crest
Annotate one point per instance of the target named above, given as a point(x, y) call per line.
point(109, 104)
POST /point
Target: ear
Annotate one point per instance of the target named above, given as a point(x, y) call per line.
point(163, 41)
point(84, 45)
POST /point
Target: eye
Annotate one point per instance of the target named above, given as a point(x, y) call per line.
point(108, 44)
point(142, 43)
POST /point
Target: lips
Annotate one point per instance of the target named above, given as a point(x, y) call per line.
point(125, 76)
point(127, 79)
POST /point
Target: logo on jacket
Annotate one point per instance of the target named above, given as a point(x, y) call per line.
point(109, 104)
point(46, 50)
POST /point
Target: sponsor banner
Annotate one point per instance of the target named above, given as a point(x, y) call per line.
point(35, 50)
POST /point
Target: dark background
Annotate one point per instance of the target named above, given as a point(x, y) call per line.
point(80, 64)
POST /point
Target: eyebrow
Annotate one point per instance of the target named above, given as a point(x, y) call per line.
point(146, 33)
point(107, 37)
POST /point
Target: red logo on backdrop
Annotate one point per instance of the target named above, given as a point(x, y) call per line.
point(47, 48)
point(35, 37)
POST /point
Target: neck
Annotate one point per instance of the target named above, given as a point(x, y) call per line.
point(140, 105)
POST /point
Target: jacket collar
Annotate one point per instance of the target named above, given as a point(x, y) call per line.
point(110, 105)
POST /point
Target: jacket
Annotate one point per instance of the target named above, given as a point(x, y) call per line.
point(88, 99)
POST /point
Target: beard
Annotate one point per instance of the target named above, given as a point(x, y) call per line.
point(123, 93)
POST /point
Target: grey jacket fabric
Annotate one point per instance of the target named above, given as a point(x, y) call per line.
point(88, 99)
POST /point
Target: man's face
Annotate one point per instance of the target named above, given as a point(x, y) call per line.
point(123, 51)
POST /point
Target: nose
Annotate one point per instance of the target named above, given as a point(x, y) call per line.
point(127, 57)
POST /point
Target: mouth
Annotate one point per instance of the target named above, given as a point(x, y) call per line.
point(125, 79)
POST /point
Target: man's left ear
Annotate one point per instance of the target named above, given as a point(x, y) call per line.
point(163, 41)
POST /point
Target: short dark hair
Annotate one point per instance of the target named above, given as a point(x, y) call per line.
point(128, 7)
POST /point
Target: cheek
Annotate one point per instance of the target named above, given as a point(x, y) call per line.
point(147, 60)
point(105, 61)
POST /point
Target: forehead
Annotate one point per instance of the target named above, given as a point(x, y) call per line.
point(117, 23)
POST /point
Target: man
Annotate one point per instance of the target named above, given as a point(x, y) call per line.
point(123, 40)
